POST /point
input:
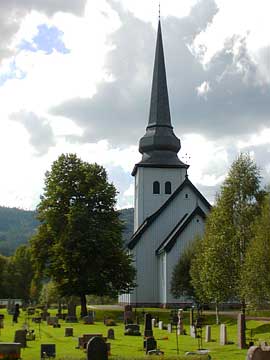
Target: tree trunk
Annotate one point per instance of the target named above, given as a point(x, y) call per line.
point(83, 305)
point(217, 313)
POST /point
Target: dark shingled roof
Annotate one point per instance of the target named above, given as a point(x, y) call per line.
point(170, 240)
point(150, 219)
point(159, 146)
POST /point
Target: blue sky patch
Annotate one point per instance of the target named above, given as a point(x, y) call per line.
point(47, 40)
point(13, 73)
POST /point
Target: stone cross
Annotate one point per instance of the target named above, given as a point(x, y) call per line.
point(97, 349)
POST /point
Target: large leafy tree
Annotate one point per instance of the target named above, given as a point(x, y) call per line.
point(256, 275)
point(79, 242)
point(229, 231)
point(20, 273)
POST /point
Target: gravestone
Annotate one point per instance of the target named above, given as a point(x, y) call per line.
point(20, 337)
point(180, 325)
point(148, 332)
point(160, 325)
point(192, 331)
point(47, 351)
point(68, 331)
point(2, 316)
point(10, 350)
point(132, 330)
point(71, 316)
point(11, 307)
point(223, 334)
point(150, 344)
point(241, 338)
point(89, 319)
point(52, 320)
point(44, 315)
point(153, 323)
point(208, 333)
point(169, 328)
point(110, 334)
point(85, 338)
point(97, 349)
point(258, 353)
point(128, 314)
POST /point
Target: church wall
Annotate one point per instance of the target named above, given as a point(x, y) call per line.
point(195, 227)
point(147, 263)
point(146, 203)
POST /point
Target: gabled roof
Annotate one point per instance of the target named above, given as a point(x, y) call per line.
point(150, 219)
point(170, 240)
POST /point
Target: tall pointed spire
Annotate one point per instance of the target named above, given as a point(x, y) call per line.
point(159, 146)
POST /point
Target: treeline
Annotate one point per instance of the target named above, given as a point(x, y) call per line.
point(17, 226)
point(231, 263)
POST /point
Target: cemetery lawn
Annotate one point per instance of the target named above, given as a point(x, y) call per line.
point(131, 346)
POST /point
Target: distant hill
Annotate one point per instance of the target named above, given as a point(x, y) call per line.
point(17, 226)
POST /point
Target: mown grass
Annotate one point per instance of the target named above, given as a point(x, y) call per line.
point(132, 347)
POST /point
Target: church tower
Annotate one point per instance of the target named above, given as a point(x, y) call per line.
point(169, 210)
point(160, 171)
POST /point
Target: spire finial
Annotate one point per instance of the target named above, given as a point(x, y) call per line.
point(159, 11)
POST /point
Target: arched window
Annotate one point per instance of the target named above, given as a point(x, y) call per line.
point(168, 187)
point(156, 187)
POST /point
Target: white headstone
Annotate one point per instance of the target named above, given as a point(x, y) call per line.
point(153, 323)
point(169, 327)
point(192, 331)
point(160, 325)
point(223, 334)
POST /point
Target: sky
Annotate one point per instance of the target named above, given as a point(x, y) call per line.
point(75, 77)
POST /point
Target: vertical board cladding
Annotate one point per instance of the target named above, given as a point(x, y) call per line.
point(195, 227)
point(146, 203)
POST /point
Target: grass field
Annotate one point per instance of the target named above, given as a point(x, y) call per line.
point(129, 346)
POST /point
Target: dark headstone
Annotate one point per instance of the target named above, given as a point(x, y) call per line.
point(71, 319)
point(97, 349)
point(68, 331)
point(128, 314)
point(20, 337)
point(148, 332)
point(110, 334)
point(10, 350)
point(89, 319)
point(47, 351)
point(258, 353)
point(44, 315)
point(241, 331)
point(150, 344)
point(72, 309)
point(132, 330)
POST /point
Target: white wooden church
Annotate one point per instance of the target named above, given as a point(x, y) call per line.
point(169, 210)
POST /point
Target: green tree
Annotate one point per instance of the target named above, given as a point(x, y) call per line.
point(20, 274)
point(3, 276)
point(256, 274)
point(79, 242)
point(181, 284)
point(229, 231)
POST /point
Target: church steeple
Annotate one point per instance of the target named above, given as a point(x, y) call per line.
point(159, 146)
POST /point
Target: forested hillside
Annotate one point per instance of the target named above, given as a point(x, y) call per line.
point(17, 226)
